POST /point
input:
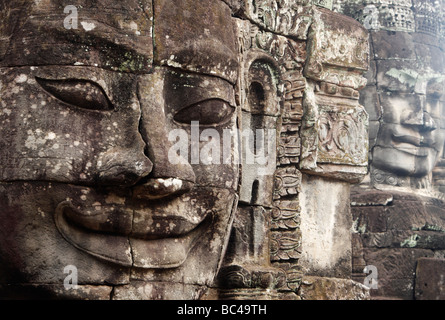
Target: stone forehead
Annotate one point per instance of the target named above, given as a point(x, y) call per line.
point(130, 36)
point(407, 46)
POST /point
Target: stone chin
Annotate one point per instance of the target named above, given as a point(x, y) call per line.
point(405, 161)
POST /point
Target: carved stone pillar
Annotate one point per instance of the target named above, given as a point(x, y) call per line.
point(307, 63)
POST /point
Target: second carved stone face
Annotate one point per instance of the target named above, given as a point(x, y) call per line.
point(410, 88)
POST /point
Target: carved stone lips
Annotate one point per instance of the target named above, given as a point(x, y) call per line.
point(129, 237)
point(417, 145)
point(117, 226)
point(417, 140)
point(124, 221)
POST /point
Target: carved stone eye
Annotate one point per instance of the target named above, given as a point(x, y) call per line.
point(80, 93)
point(208, 112)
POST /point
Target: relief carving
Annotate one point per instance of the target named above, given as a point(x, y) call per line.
point(160, 146)
point(334, 124)
point(300, 128)
point(398, 209)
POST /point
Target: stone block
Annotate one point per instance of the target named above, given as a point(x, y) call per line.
point(318, 288)
point(369, 99)
point(395, 45)
point(186, 27)
point(325, 227)
point(395, 270)
point(370, 219)
point(430, 279)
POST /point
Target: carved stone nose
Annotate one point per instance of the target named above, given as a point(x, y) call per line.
point(124, 167)
point(166, 178)
point(420, 119)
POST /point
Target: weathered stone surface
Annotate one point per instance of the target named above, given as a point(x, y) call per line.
point(326, 249)
point(404, 98)
point(54, 292)
point(370, 219)
point(317, 288)
point(439, 176)
point(260, 151)
point(393, 45)
point(408, 71)
point(334, 136)
point(119, 38)
point(341, 42)
point(186, 27)
point(430, 279)
point(393, 230)
point(121, 150)
point(95, 130)
point(286, 18)
point(396, 270)
point(142, 290)
point(370, 100)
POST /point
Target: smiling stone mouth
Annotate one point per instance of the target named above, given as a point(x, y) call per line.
point(413, 150)
point(141, 223)
point(418, 141)
point(125, 249)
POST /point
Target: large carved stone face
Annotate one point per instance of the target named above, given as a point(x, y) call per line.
point(86, 167)
point(410, 87)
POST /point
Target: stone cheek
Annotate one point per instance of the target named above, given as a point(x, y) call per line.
point(47, 144)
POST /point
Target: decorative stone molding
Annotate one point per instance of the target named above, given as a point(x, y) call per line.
point(337, 59)
point(318, 67)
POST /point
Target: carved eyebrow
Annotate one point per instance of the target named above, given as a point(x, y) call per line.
point(125, 51)
point(199, 90)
